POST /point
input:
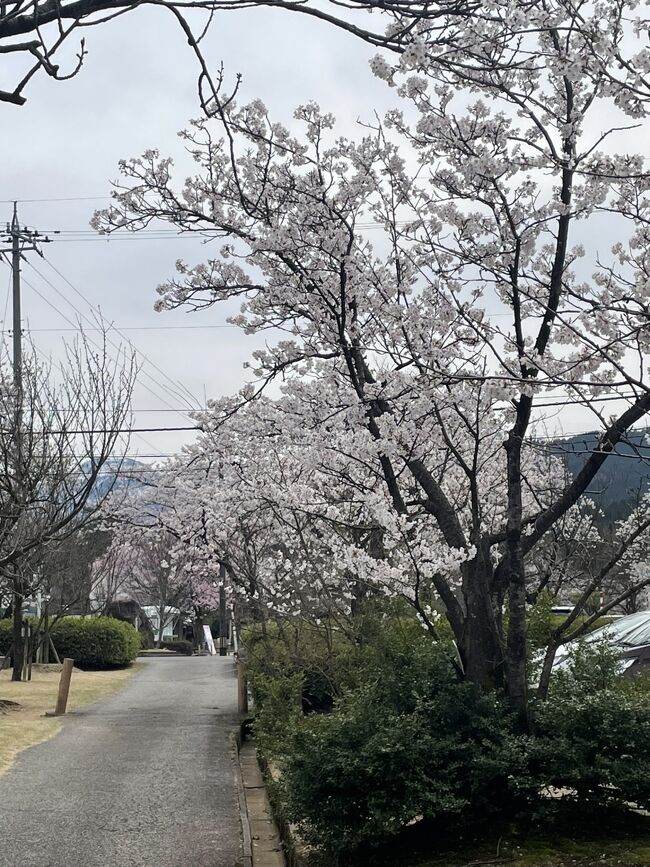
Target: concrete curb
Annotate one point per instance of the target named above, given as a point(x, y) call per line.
point(261, 842)
point(247, 850)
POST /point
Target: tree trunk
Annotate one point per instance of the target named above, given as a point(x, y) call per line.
point(547, 669)
point(198, 630)
point(19, 644)
point(517, 680)
point(516, 675)
point(161, 624)
point(480, 646)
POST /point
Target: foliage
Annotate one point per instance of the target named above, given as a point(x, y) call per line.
point(593, 732)
point(98, 642)
point(178, 645)
point(301, 653)
point(6, 628)
point(407, 739)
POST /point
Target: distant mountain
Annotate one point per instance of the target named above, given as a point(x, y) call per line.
point(118, 475)
point(623, 478)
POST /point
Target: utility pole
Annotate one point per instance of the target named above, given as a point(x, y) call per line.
point(223, 619)
point(21, 240)
point(17, 337)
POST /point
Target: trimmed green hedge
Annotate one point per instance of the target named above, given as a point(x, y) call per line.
point(96, 642)
point(178, 645)
point(6, 627)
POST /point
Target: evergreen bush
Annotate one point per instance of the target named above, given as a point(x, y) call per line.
point(407, 740)
point(178, 645)
point(96, 642)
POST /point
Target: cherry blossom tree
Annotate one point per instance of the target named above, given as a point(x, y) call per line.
point(161, 543)
point(428, 353)
point(34, 32)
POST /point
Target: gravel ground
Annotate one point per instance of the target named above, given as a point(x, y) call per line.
point(143, 779)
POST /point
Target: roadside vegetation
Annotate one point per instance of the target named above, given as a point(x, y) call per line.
point(93, 642)
point(377, 746)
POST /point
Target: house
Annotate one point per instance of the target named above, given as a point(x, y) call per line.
point(170, 620)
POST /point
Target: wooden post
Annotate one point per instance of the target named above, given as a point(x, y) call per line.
point(56, 655)
point(30, 649)
point(24, 634)
point(64, 687)
point(242, 688)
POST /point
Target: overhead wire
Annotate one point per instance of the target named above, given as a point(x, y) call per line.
point(128, 328)
point(129, 430)
point(95, 309)
point(101, 349)
point(172, 393)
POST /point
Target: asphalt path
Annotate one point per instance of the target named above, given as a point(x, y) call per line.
point(142, 779)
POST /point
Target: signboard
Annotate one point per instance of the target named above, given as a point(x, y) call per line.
point(207, 636)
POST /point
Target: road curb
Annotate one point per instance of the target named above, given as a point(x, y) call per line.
point(244, 821)
point(261, 842)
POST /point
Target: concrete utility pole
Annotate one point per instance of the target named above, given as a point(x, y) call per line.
point(17, 330)
point(223, 618)
point(21, 240)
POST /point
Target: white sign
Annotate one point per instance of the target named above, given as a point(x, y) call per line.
point(208, 640)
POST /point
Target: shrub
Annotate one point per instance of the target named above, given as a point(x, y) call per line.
point(178, 645)
point(405, 740)
point(6, 632)
point(6, 627)
point(593, 732)
point(303, 650)
point(98, 642)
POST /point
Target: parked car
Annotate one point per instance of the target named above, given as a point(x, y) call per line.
point(630, 634)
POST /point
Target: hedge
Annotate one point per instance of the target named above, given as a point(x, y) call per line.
point(6, 627)
point(178, 645)
point(97, 642)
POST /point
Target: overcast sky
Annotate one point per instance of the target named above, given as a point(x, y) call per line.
point(136, 90)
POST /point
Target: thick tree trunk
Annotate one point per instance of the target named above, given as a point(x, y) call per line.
point(480, 646)
point(517, 679)
point(18, 642)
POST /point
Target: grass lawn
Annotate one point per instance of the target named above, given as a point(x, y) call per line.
point(27, 725)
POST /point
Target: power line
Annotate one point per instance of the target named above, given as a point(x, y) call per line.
point(65, 199)
point(125, 328)
point(176, 394)
point(98, 347)
point(118, 331)
point(105, 430)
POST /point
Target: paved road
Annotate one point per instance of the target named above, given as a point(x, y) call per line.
point(143, 779)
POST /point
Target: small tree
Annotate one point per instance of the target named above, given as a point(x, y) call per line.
point(57, 437)
point(153, 575)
